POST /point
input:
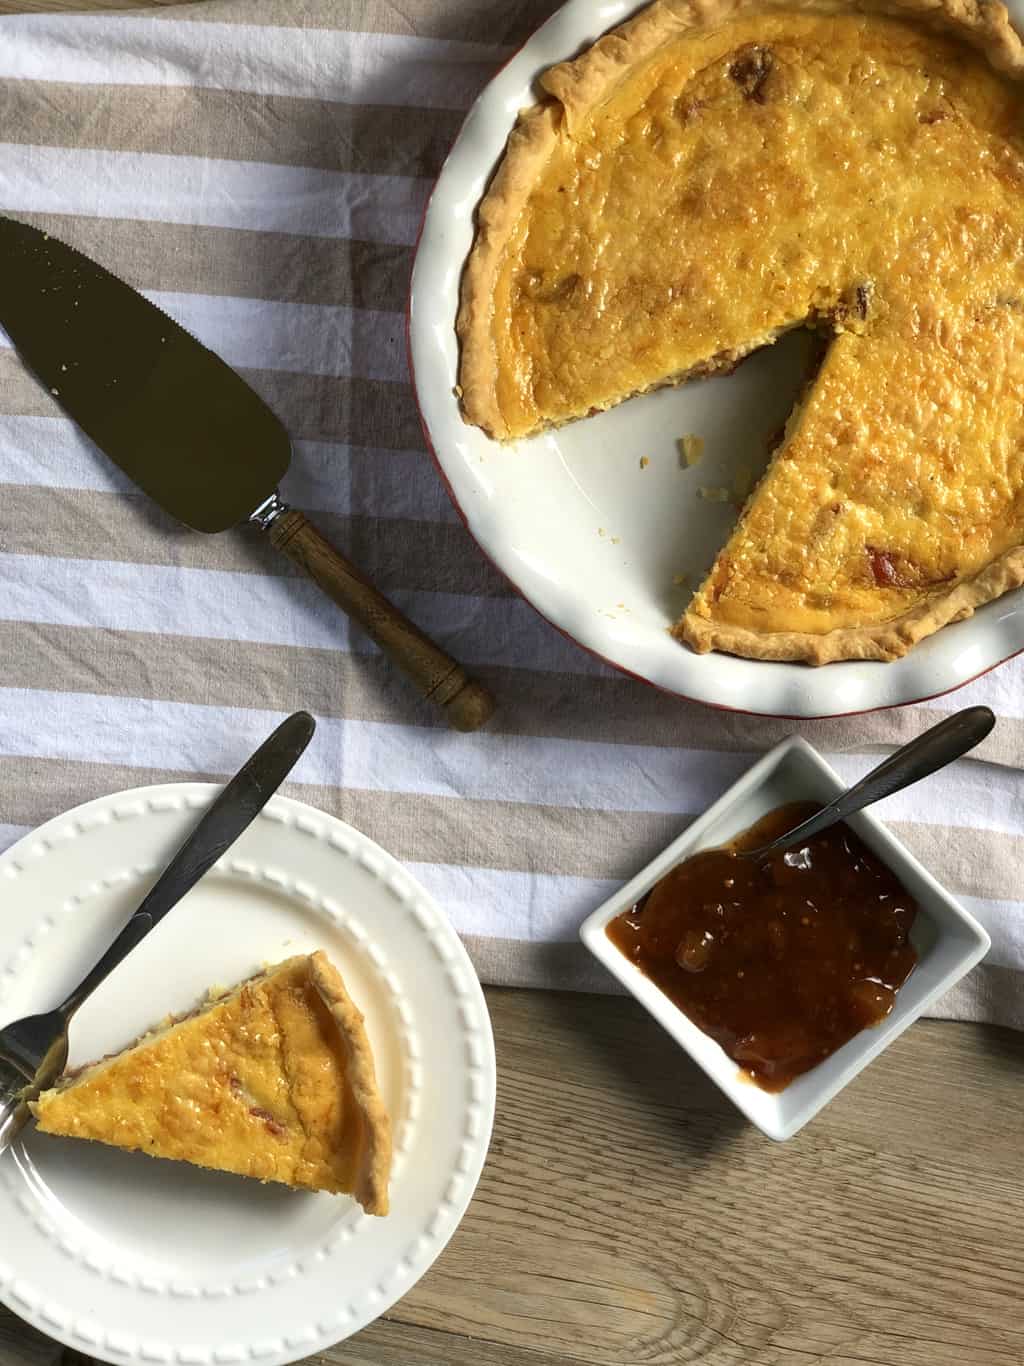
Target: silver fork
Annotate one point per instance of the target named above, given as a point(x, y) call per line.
point(34, 1050)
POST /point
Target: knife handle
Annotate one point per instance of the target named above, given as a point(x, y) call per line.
point(465, 703)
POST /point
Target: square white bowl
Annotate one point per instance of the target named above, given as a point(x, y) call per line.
point(949, 941)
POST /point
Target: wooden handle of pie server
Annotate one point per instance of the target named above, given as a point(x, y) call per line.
point(465, 703)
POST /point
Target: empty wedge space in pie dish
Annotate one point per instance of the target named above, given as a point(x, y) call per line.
point(693, 185)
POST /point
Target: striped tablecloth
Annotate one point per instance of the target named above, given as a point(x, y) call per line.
point(260, 169)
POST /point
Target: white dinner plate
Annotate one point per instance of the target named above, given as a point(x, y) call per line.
point(140, 1261)
point(593, 541)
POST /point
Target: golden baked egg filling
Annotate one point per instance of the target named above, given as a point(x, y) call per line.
point(712, 175)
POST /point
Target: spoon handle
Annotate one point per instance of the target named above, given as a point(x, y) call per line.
point(928, 752)
point(235, 808)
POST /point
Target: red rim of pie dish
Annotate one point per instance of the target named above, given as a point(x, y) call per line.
point(588, 649)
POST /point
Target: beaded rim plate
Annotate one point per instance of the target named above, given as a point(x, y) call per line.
point(597, 524)
point(140, 1261)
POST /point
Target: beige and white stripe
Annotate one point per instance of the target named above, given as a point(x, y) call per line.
point(259, 168)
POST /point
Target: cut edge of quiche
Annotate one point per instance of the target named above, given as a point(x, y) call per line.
point(572, 90)
point(272, 1079)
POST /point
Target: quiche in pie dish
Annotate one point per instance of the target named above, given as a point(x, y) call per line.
point(717, 172)
point(273, 1080)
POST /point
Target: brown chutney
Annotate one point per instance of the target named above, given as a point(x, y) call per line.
point(780, 960)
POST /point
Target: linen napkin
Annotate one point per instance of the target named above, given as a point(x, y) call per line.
point(259, 167)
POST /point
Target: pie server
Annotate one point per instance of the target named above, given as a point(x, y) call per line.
point(190, 432)
point(34, 1051)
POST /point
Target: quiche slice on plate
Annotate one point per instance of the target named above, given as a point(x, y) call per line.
point(274, 1080)
point(717, 172)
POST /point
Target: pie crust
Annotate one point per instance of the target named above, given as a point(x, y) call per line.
point(274, 1080)
point(937, 529)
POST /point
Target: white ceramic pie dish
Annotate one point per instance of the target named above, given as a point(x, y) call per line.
point(593, 541)
point(948, 940)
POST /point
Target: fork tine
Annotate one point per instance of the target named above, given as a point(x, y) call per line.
point(14, 1115)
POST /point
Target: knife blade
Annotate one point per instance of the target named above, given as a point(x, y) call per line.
point(190, 432)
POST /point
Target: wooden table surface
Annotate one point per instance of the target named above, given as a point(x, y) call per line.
point(628, 1214)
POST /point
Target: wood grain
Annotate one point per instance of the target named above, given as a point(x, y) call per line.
point(52, 7)
point(627, 1214)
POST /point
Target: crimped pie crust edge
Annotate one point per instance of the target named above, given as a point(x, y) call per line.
point(577, 86)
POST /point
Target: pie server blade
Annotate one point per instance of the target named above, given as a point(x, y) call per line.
point(179, 422)
point(189, 431)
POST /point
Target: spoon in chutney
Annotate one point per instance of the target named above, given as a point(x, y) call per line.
point(925, 754)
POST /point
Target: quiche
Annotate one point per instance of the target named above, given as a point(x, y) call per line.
point(274, 1080)
point(717, 172)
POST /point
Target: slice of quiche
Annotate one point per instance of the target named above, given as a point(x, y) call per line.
point(716, 172)
point(274, 1080)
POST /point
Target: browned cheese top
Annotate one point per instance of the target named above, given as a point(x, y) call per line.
point(852, 170)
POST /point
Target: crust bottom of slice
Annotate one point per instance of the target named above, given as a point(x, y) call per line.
point(373, 1167)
